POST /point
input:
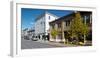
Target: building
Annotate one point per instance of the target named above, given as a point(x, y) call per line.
point(24, 32)
point(28, 32)
point(62, 25)
point(42, 23)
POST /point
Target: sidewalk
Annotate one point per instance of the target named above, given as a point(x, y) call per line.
point(57, 44)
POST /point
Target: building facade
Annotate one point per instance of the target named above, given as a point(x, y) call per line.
point(27, 33)
point(42, 23)
point(62, 25)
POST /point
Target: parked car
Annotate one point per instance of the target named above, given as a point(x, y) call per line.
point(34, 38)
point(26, 37)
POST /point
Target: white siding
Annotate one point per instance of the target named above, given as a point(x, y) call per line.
point(52, 18)
point(39, 26)
point(44, 26)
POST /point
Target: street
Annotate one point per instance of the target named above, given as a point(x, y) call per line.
point(29, 44)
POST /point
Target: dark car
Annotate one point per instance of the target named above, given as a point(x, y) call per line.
point(26, 37)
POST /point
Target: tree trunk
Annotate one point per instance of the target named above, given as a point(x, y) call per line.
point(77, 42)
point(67, 41)
point(84, 39)
point(64, 41)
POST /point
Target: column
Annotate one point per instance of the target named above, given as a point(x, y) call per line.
point(50, 36)
point(62, 31)
point(85, 19)
point(90, 18)
point(56, 26)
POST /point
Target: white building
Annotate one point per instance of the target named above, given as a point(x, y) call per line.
point(42, 23)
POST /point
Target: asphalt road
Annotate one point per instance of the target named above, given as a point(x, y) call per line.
point(29, 44)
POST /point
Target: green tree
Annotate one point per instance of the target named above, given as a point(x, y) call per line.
point(54, 32)
point(85, 32)
point(78, 27)
point(67, 36)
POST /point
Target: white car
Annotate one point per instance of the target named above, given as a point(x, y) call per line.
point(35, 38)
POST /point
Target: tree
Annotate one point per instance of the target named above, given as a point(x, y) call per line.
point(67, 36)
point(85, 32)
point(78, 27)
point(54, 32)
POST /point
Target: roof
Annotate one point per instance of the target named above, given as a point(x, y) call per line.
point(43, 14)
point(70, 16)
point(51, 14)
point(31, 30)
point(63, 18)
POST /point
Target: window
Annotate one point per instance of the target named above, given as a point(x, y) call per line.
point(59, 36)
point(41, 22)
point(59, 25)
point(52, 26)
point(44, 23)
point(49, 17)
point(66, 23)
point(86, 19)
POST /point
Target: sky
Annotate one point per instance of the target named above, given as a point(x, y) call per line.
point(29, 15)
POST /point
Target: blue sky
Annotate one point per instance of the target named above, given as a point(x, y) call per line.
point(29, 15)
